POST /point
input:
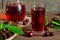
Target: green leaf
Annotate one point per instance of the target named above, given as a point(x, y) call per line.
point(46, 22)
point(57, 22)
point(15, 30)
point(1, 26)
point(5, 25)
point(1, 38)
point(57, 27)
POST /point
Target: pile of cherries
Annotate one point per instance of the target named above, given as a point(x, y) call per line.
point(5, 33)
point(47, 33)
point(50, 25)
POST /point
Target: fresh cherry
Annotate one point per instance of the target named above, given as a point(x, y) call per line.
point(5, 33)
point(29, 34)
point(51, 34)
point(54, 18)
point(51, 25)
point(25, 21)
point(46, 34)
point(46, 28)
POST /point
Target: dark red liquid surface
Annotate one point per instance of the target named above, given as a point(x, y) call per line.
point(15, 12)
point(38, 18)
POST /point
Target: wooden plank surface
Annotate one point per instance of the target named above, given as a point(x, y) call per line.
point(55, 37)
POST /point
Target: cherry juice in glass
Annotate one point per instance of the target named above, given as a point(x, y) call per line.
point(38, 18)
point(15, 11)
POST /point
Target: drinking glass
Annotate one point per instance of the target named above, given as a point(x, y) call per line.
point(38, 18)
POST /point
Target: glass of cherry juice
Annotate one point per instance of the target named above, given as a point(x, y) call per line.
point(15, 11)
point(38, 19)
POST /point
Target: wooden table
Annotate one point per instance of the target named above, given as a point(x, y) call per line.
point(55, 37)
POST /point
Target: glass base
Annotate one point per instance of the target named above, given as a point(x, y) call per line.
point(38, 33)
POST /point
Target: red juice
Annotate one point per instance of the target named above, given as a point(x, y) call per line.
point(15, 11)
point(38, 18)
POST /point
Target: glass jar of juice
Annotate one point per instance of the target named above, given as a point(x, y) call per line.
point(15, 10)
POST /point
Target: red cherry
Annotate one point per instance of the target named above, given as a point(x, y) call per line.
point(51, 33)
point(24, 22)
point(46, 34)
point(51, 25)
point(46, 28)
point(31, 34)
point(27, 20)
point(54, 18)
